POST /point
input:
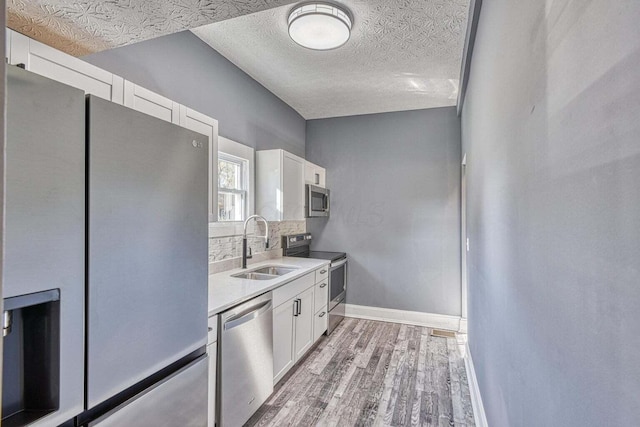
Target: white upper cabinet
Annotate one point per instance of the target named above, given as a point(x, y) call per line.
point(7, 45)
point(56, 65)
point(205, 125)
point(279, 185)
point(148, 102)
point(314, 174)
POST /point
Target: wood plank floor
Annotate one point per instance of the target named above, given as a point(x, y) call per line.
point(373, 374)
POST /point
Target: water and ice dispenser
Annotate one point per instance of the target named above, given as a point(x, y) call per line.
point(31, 357)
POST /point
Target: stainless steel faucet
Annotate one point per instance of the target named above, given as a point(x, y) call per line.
point(244, 237)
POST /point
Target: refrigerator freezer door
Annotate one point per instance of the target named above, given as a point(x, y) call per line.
point(148, 244)
point(45, 217)
point(179, 400)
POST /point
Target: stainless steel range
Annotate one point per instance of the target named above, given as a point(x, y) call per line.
point(299, 245)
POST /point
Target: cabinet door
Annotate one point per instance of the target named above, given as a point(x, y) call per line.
point(322, 177)
point(212, 350)
point(314, 174)
point(7, 47)
point(321, 295)
point(293, 187)
point(56, 65)
point(304, 324)
point(283, 325)
point(310, 173)
point(151, 103)
point(320, 323)
point(208, 126)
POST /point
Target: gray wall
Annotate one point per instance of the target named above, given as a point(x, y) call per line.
point(185, 69)
point(395, 181)
point(551, 128)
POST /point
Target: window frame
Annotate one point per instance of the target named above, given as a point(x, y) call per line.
point(241, 151)
point(243, 165)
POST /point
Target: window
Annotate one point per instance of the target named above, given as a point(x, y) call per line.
point(232, 187)
point(235, 175)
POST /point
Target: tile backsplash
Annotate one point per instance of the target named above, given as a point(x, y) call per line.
point(225, 252)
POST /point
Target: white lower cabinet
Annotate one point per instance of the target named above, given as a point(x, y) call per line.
point(292, 332)
point(304, 324)
point(321, 303)
point(283, 327)
point(321, 295)
point(320, 323)
point(299, 320)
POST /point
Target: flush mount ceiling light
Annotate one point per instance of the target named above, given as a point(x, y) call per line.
point(319, 26)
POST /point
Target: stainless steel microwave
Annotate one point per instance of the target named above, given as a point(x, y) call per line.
point(317, 201)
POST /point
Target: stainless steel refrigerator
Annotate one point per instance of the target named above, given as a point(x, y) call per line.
point(147, 269)
point(43, 265)
point(105, 265)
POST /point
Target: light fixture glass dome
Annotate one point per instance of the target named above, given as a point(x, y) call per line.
point(319, 26)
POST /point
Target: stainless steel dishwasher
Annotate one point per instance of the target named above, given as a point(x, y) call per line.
point(245, 377)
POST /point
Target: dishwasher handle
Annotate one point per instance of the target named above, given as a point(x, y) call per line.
point(242, 318)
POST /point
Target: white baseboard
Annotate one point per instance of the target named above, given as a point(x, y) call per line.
point(430, 320)
point(476, 399)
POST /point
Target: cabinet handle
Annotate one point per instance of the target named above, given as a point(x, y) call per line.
point(323, 285)
point(323, 271)
point(322, 314)
point(299, 306)
point(295, 307)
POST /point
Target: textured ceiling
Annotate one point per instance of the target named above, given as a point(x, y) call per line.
point(402, 55)
point(80, 27)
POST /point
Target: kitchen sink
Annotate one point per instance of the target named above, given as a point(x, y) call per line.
point(264, 273)
point(254, 276)
point(274, 270)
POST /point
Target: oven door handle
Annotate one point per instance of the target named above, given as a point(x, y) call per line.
point(338, 264)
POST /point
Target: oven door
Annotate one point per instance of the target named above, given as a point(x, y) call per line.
point(317, 201)
point(337, 282)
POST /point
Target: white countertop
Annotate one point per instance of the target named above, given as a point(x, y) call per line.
point(226, 291)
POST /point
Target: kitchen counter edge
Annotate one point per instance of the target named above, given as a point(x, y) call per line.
point(231, 291)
